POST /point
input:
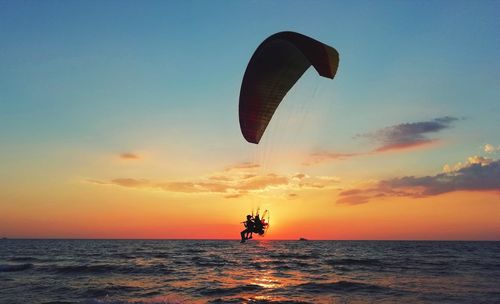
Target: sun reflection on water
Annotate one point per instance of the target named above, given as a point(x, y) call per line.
point(266, 280)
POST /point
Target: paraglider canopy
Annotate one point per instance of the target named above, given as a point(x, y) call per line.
point(274, 68)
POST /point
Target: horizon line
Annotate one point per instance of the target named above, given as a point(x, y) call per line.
point(237, 239)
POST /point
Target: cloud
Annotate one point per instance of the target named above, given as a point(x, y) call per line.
point(477, 174)
point(263, 182)
point(324, 156)
point(130, 182)
point(97, 182)
point(352, 192)
point(129, 156)
point(231, 184)
point(299, 176)
point(406, 145)
point(353, 199)
point(220, 178)
point(408, 135)
point(488, 148)
point(481, 160)
point(392, 138)
point(242, 166)
point(238, 195)
point(319, 182)
point(180, 187)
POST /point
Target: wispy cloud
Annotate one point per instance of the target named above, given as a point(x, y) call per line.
point(130, 182)
point(477, 174)
point(408, 135)
point(236, 195)
point(236, 182)
point(325, 156)
point(472, 160)
point(355, 199)
point(393, 138)
point(489, 148)
point(129, 156)
point(292, 195)
point(242, 166)
point(262, 182)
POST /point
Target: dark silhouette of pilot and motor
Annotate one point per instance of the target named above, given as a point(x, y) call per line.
point(253, 225)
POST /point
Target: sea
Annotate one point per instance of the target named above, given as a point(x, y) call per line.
point(259, 271)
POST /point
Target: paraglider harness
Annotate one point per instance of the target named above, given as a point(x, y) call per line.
point(258, 226)
point(249, 224)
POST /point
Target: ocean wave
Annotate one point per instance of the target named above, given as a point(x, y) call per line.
point(125, 256)
point(210, 262)
point(86, 269)
point(108, 291)
point(195, 250)
point(219, 291)
point(255, 265)
point(157, 300)
point(15, 267)
point(160, 255)
point(255, 300)
point(303, 264)
point(281, 274)
point(109, 269)
point(294, 256)
point(341, 286)
point(276, 262)
point(24, 259)
point(350, 261)
point(281, 267)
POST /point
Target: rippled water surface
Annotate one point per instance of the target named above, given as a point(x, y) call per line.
point(167, 271)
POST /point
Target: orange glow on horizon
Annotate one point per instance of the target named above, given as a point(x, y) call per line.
point(459, 215)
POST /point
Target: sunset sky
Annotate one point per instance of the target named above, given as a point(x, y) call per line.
point(119, 119)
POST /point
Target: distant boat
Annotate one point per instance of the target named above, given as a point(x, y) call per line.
point(303, 239)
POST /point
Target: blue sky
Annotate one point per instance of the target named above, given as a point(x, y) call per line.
point(74, 69)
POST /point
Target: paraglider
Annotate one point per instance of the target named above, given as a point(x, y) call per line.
point(255, 224)
point(274, 68)
point(276, 65)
